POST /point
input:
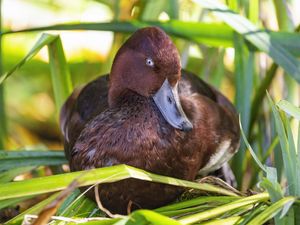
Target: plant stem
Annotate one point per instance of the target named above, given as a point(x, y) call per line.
point(2, 103)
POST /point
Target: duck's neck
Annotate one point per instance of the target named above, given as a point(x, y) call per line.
point(115, 96)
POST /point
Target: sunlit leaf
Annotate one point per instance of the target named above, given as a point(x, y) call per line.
point(259, 38)
point(104, 175)
point(212, 34)
point(289, 108)
point(61, 78)
point(208, 214)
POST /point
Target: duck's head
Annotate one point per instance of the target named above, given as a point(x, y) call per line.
point(148, 64)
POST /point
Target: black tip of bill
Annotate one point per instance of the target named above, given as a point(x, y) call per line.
point(186, 126)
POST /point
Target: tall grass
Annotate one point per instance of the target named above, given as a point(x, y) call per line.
point(268, 128)
point(2, 102)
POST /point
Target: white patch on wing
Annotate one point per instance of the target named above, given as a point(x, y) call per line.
point(221, 156)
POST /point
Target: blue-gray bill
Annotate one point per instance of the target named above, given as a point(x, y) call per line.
point(168, 103)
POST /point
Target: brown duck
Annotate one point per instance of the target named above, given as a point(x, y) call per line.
point(150, 114)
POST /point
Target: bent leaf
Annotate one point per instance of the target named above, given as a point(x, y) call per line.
point(53, 183)
point(60, 74)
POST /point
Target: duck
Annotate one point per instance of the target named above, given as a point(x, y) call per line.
point(151, 114)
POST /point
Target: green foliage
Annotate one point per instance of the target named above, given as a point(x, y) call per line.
point(61, 78)
point(291, 168)
point(260, 39)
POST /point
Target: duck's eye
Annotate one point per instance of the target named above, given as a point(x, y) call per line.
point(149, 62)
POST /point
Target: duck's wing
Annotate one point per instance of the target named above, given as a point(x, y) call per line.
point(215, 118)
point(191, 84)
point(82, 106)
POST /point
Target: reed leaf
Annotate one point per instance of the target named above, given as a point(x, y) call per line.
point(103, 175)
point(15, 159)
point(61, 78)
point(271, 211)
point(289, 108)
point(209, 33)
point(212, 34)
point(287, 151)
point(208, 214)
point(257, 37)
point(228, 221)
point(147, 217)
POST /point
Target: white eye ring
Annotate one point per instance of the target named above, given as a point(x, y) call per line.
point(149, 62)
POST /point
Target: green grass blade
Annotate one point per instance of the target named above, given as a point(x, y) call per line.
point(77, 205)
point(213, 34)
point(261, 39)
point(152, 9)
point(61, 78)
point(208, 214)
point(233, 4)
point(173, 9)
point(253, 213)
point(104, 221)
point(142, 175)
point(289, 108)
point(263, 168)
point(288, 160)
point(271, 211)
point(260, 94)
point(147, 217)
point(282, 13)
point(253, 13)
point(228, 221)
point(44, 40)
point(14, 159)
point(298, 145)
point(3, 127)
point(274, 190)
point(190, 210)
point(217, 76)
point(195, 202)
point(103, 175)
point(295, 163)
point(244, 64)
point(288, 40)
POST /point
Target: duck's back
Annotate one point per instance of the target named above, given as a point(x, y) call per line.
point(82, 106)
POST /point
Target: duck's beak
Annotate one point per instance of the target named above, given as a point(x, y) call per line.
point(168, 103)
